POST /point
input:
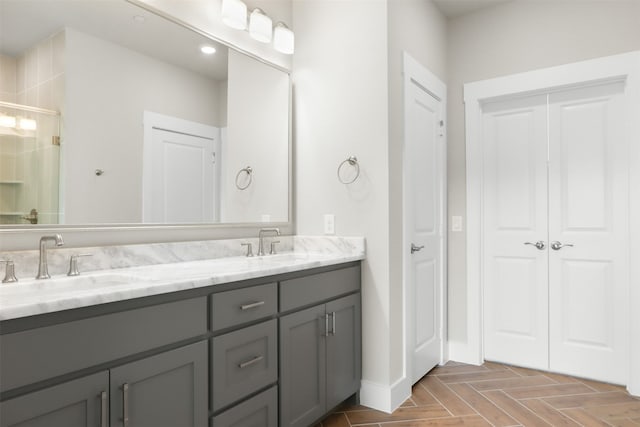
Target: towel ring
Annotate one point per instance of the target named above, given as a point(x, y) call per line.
point(249, 171)
point(352, 161)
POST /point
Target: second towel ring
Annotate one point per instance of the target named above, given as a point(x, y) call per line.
point(249, 171)
point(353, 161)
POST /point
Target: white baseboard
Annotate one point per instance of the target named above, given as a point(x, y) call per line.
point(385, 398)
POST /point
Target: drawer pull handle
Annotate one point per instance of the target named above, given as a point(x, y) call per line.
point(103, 409)
point(250, 362)
point(252, 305)
point(125, 405)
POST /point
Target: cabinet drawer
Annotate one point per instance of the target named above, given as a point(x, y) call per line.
point(242, 362)
point(243, 305)
point(260, 410)
point(318, 287)
point(37, 354)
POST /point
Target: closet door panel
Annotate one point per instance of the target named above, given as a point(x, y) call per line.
point(588, 208)
point(515, 212)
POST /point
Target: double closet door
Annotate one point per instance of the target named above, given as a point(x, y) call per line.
point(555, 232)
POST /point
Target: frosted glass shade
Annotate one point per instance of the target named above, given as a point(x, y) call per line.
point(283, 39)
point(7, 121)
point(27, 124)
point(234, 14)
point(260, 26)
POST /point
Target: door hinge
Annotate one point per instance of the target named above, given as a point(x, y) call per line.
point(441, 123)
point(55, 140)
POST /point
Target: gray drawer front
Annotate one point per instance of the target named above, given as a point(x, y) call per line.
point(318, 287)
point(243, 305)
point(259, 411)
point(42, 353)
point(243, 362)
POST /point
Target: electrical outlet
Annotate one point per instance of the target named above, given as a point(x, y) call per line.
point(329, 224)
point(456, 223)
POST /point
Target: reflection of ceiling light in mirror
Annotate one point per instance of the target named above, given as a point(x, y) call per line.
point(7, 121)
point(283, 39)
point(234, 14)
point(260, 26)
point(138, 18)
point(27, 124)
point(207, 49)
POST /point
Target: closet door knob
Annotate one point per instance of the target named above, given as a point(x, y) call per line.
point(539, 244)
point(556, 246)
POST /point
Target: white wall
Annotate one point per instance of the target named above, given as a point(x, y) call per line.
point(108, 88)
point(348, 101)
point(340, 98)
point(257, 136)
point(515, 37)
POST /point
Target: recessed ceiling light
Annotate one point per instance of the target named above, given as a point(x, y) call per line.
point(138, 18)
point(207, 49)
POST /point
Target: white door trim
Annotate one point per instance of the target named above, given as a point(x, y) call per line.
point(623, 67)
point(416, 73)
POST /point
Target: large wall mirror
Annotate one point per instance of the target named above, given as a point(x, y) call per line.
point(113, 115)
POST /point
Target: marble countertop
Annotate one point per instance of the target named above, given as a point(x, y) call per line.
point(32, 297)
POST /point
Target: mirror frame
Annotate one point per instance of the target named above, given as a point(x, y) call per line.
point(23, 236)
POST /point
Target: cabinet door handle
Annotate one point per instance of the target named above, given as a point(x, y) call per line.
point(103, 409)
point(250, 362)
point(252, 305)
point(326, 325)
point(125, 405)
point(333, 323)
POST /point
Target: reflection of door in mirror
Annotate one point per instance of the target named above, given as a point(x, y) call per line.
point(29, 136)
point(180, 171)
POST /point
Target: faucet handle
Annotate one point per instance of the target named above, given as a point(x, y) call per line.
point(10, 272)
point(73, 264)
point(249, 248)
point(273, 247)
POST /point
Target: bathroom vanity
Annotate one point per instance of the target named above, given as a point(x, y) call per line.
point(269, 349)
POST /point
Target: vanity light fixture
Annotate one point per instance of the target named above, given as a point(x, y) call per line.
point(27, 124)
point(283, 39)
point(260, 26)
point(7, 121)
point(234, 14)
point(207, 49)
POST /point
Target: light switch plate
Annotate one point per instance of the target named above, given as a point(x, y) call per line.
point(329, 224)
point(456, 223)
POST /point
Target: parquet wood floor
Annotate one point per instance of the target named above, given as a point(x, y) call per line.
point(500, 395)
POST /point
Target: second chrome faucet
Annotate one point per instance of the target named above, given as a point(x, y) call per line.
point(261, 234)
point(43, 267)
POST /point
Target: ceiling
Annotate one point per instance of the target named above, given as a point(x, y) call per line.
point(455, 8)
point(26, 23)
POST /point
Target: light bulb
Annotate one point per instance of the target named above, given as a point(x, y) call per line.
point(27, 124)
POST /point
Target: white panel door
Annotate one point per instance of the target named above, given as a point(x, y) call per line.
point(588, 208)
point(424, 157)
point(182, 189)
point(515, 213)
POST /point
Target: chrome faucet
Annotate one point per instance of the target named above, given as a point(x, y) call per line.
point(261, 234)
point(43, 267)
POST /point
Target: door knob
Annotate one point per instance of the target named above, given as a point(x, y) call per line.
point(539, 244)
point(556, 246)
point(415, 248)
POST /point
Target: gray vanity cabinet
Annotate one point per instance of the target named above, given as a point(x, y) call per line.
point(83, 402)
point(166, 390)
point(319, 359)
